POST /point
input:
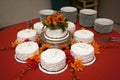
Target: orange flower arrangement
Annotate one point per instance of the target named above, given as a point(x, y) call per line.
point(77, 65)
point(56, 21)
point(45, 47)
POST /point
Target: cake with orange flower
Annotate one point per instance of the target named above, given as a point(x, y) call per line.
point(84, 52)
point(53, 61)
point(24, 50)
point(56, 27)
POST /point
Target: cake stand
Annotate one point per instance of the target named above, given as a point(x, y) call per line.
point(56, 44)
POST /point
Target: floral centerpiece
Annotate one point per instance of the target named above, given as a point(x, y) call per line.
point(56, 21)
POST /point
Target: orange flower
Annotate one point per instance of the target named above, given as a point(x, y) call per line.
point(64, 47)
point(72, 41)
point(96, 47)
point(83, 28)
point(77, 65)
point(36, 57)
point(15, 43)
point(45, 47)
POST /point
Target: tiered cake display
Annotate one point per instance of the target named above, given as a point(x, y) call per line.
point(55, 34)
point(56, 30)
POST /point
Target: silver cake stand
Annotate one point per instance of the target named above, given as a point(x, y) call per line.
point(55, 44)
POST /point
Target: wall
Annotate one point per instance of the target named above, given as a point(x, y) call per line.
point(110, 9)
point(16, 11)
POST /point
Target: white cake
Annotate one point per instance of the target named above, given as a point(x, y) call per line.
point(71, 26)
point(26, 34)
point(38, 27)
point(56, 35)
point(84, 36)
point(24, 50)
point(53, 60)
point(84, 52)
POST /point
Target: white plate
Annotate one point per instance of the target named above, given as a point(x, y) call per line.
point(20, 61)
point(52, 72)
point(90, 63)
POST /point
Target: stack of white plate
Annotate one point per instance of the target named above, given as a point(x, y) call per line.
point(44, 13)
point(103, 25)
point(70, 13)
point(87, 17)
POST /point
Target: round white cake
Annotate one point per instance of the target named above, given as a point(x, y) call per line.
point(84, 36)
point(56, 35)
point(53, 60)
point(84, 52)
point(71, 26)
point(26, 34)
point(24, 50)
point(39, 27)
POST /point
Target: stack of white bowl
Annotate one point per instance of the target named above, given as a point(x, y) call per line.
point(70, 13)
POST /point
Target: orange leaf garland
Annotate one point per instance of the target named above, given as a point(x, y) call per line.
point(15, 43)
point(96, 47)
point(45, 47)
point(64, 47)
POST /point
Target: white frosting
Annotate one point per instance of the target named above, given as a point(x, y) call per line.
point(68, 9)
point(26, 49)
point(104, 21)
point(88, 11)
point(83, 51)
point(57, 33)
point(26, 34)
point(83, 36)
point(38, 27)
point(71, 26)
point(56, 39)
point(53, 59)
point(46, 12)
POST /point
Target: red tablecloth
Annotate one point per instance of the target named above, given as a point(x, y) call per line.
point(106, 66)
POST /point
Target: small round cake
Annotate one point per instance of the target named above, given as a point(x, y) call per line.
point(24, 50)
point(26, 34)
point(53, 60)
point(39, 27)
point(84, 36)
point(84, 52)
point(71, 26)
